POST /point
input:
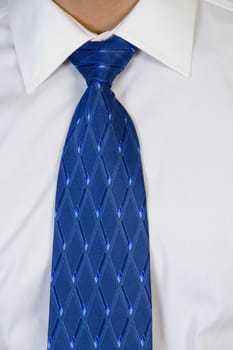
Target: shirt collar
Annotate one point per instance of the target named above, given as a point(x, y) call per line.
point(44, 35)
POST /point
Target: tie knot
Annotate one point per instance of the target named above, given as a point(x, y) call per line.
point(103, 60)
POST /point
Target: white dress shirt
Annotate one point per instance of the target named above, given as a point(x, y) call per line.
point(179, 92)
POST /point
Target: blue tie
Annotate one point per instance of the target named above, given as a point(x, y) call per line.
point(100, 286)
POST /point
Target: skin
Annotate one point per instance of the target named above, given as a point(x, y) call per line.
point(97, 16)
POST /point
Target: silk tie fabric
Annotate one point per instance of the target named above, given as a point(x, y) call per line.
point(100, 294)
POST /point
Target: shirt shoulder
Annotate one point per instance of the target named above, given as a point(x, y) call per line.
point(5, 31)
point(3, 8)
point(214, 34)
point(3, 12)
point(226, 4)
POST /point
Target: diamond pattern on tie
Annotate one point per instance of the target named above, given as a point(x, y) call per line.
point(100, 282)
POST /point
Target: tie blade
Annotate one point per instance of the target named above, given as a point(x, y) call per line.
point(100, 287)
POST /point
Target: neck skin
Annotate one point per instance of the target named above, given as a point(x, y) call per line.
point(97, 16)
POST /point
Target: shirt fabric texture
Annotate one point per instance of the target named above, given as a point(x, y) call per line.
point(178, 90)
